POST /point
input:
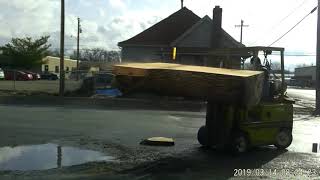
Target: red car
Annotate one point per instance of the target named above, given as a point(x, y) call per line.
point(19, 75)
point(35, 76)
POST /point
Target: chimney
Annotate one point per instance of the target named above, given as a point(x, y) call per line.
point(181, 4)
point(216, 27)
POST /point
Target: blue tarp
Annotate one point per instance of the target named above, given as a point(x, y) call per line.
point(109, 92)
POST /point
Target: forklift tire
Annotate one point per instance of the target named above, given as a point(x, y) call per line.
point(283, 139)
point(203, 136)
point(240, 143)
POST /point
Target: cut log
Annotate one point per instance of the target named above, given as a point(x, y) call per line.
point(240, 87)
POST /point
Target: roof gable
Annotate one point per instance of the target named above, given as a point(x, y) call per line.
point(165, 31)
point(199, 35)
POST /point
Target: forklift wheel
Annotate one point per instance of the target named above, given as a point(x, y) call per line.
point(240, 143)
point(203, 136)
point(283, 139)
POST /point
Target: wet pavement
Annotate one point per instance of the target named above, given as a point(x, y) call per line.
point(304, 97)
point(46, 156)
point(117, 133)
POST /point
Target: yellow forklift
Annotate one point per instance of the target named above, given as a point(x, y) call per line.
point(239, 128)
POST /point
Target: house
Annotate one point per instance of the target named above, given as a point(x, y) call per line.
point(191, 35)
point(52, 64)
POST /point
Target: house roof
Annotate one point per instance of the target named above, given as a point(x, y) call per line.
point(57, 58)
point(173, 29)
point(227, 41)
point(166, 31)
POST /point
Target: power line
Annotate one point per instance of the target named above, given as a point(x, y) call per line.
point(293, 11)
point(314, 9)
point(283, 19)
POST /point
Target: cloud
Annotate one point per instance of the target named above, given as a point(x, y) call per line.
point(35, 18)
point(27, 18)
point(117, 4)
point(107, 22)
point(102, 30)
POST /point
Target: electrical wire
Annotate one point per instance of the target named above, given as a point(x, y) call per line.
point(314, 9)
point(293, 11)
point(283, 19)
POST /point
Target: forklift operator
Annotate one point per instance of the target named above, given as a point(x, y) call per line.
point(256, 65)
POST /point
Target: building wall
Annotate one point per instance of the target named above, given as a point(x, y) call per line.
point(306, 71)
point(149, 54)
point(53, 64)
point(142, 54)
point(223, 62)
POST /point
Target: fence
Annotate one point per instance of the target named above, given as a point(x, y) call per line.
point(28, 82)
point(17, 81)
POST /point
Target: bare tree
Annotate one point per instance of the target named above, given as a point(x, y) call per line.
point(98, 55)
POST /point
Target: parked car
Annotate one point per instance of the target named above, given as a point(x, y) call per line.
point(1, 74)
point(17, 75)
point(35, 76)
point(49, 76)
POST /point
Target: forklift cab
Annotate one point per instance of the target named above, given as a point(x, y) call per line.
point(267, 123)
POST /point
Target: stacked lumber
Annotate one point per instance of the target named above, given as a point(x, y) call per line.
point(241, 87)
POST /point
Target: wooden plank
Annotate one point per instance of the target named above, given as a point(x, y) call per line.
point(181, 67)
point(214, 84)
point(129, 71)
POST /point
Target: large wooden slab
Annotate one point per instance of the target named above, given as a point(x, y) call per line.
point(141, 69)
point(241, 87)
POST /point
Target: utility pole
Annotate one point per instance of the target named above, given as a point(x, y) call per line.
point(59, 156)
point(241, 27)
point(78, 51)
point(317, 112)
point(61, 88)
point(181, 4)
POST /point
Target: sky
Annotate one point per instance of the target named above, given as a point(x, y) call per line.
point(107, 22)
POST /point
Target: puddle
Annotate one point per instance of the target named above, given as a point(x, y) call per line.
point(46, 156)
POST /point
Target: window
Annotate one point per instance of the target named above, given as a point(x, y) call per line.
point(46, 68)
point(57, 69)
point(67, 69)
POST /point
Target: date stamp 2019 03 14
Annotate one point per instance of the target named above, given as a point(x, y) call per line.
point(274, 172)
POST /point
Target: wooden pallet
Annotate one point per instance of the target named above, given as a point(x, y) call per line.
point(241, 87)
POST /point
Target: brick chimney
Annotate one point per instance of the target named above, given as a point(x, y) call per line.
point(216, 27)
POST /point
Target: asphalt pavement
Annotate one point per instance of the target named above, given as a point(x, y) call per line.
point(119, 132)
